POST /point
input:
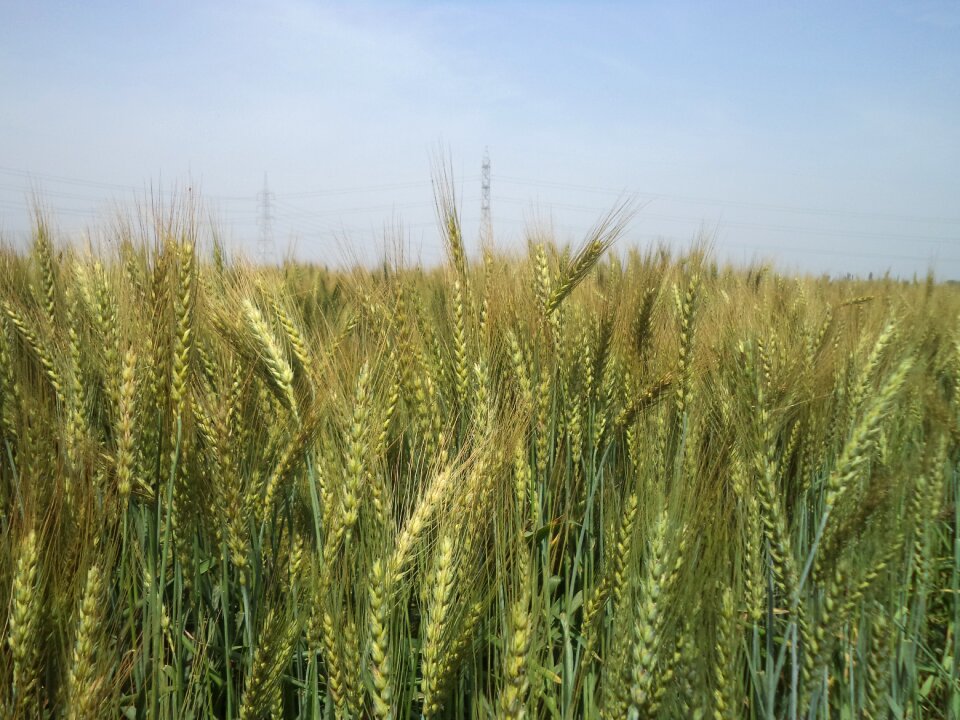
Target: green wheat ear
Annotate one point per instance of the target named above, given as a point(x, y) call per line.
point(515, 486)
point(24, 621)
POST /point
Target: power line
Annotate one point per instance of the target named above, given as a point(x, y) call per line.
point(332, 212)
point(731, 203)
point(66, 180)
point(52, 193)
point(28, 175)
point(325, 220)
point(833, 212)
point(857, 234)
point(361, 189)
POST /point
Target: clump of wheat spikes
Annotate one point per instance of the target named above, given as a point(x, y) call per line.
point(571, 484)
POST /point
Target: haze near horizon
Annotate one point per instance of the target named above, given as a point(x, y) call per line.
point(819, 136)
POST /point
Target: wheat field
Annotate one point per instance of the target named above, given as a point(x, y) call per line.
point(561, 483)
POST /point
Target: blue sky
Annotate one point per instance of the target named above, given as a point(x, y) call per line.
point(823, 136)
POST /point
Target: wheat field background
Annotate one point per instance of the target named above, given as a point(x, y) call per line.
point(564, 483)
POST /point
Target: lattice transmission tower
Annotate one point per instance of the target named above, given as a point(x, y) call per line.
point(486, 224)
point(265, 198)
